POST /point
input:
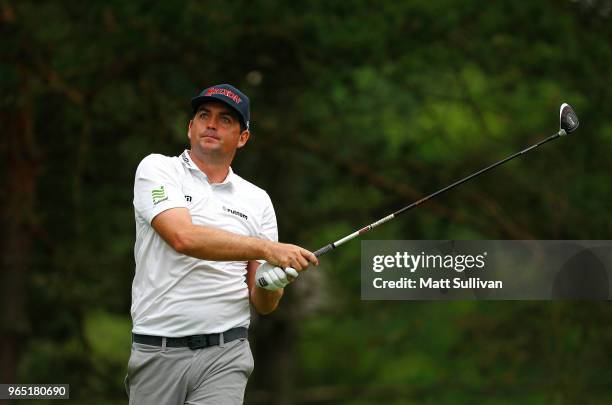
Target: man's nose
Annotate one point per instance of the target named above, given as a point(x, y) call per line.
point(211, 123)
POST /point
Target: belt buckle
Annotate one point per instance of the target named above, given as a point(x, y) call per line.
point(197, 342)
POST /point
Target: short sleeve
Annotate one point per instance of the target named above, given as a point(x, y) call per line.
point(156, 187)
point(268, 229)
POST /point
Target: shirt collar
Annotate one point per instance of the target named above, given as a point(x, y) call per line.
point(186, 160)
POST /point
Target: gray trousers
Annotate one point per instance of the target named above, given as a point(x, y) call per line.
point(169, 375)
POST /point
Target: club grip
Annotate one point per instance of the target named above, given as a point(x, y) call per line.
point(324, 250)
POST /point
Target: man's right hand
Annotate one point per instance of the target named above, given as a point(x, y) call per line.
point(286, 255)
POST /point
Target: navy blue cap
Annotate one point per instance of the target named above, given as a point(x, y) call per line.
point(228, 94)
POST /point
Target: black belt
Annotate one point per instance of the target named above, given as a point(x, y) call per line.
point(193, 342)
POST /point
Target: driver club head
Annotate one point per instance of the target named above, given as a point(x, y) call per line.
point(568, 120)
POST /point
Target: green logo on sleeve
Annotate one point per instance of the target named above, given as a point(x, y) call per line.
point(159, 195)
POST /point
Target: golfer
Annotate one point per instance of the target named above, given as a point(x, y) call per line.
point(201, 233)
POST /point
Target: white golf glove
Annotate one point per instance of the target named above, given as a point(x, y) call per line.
point(272, 277)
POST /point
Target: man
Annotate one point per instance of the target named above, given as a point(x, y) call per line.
point(200, 229)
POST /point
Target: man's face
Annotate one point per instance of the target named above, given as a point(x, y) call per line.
point(215, 131)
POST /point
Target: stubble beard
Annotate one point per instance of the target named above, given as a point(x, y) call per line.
point(211, 155)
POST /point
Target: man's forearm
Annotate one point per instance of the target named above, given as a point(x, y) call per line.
point(216, 244)
point(265, 301)
point(175, 226)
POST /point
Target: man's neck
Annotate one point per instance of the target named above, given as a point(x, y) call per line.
point(216, 171)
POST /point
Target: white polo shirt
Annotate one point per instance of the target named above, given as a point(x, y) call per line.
point(175, 295)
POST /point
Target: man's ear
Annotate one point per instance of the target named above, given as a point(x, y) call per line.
point(244, 137)
point(189, 129)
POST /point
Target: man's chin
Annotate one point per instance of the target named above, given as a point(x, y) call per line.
point(210, 144)
point(209, 148)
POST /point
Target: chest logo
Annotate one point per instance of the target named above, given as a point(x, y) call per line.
point(234, 212)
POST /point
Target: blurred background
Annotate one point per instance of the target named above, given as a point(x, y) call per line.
point(358, 108)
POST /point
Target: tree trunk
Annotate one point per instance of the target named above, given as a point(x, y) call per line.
point(19, 185)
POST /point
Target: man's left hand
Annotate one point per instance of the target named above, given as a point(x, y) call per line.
point(274, 278)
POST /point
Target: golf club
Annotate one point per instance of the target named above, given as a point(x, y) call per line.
point(568, 122)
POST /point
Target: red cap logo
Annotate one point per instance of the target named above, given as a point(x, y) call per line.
point(225, 92)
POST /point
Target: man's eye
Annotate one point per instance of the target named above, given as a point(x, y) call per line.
point(225, 120)
point(202, 115)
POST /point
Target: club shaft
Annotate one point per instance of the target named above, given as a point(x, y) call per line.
point(381, 221)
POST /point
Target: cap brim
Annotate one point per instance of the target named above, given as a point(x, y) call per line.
point(196, 102)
